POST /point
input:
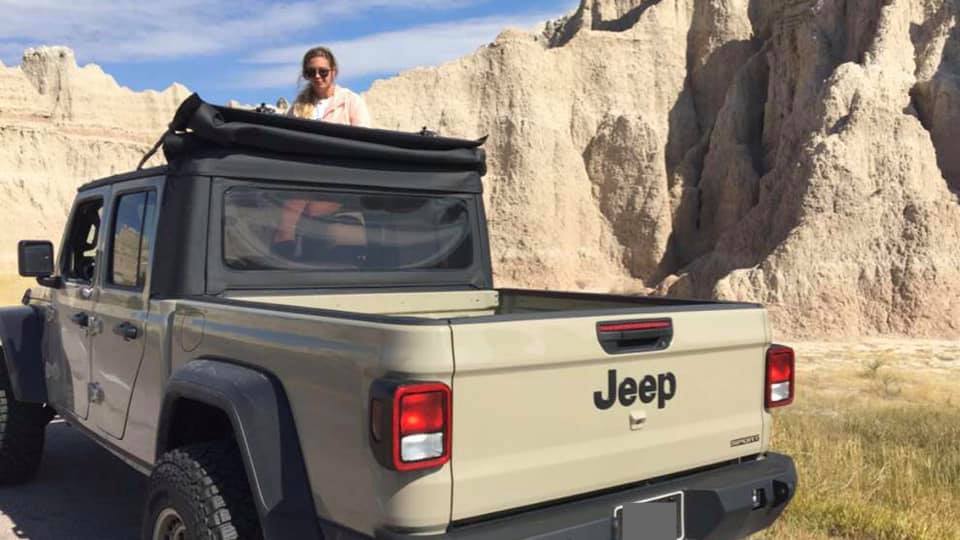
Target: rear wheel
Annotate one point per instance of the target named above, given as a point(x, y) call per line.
point(200, 492)
point(169, 526)
point(22, 433)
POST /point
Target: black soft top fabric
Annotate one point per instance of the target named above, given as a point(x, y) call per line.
point(200, 130)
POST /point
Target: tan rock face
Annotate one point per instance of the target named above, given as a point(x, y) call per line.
point(797, 153)
point(60, 126)
point(800, 153)
point(937, 92)
point(579, 138)
point(854, 228)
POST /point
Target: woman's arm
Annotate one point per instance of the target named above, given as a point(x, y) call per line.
point(359, 115)
point(289, 217)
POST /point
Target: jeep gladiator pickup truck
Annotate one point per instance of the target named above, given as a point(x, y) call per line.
point(292, 329)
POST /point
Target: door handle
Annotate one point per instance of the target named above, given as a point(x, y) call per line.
point(127, 331)
point(81, 319)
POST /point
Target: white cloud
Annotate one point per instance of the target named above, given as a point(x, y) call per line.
point(131, 30)
point(387, 52)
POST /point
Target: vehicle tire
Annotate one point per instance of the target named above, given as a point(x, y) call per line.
point(22, 434)
point(200, 492)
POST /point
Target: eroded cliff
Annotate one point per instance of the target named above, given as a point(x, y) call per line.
point(800, 153)
point(62, 125)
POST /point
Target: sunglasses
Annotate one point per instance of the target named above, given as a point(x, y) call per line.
point(310, 73)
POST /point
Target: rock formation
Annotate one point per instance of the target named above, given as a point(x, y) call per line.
point(800, 153)
point(62, 125)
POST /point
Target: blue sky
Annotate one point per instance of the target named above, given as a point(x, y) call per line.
point(250, 49)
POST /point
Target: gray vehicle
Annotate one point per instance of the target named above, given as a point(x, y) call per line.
point(292, 329)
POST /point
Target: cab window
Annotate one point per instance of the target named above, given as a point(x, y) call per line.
point(132, 239)
point(325, 230)
point(79, 258)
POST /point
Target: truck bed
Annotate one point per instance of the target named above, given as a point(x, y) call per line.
point(554, 394)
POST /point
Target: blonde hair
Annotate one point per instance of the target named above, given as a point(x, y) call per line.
point(306, 101)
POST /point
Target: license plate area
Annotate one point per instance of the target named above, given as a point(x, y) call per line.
point(656, 518)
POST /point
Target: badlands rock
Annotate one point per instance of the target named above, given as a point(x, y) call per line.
point(581, 135)
point(800, 153)
point(857, 225)
point(62, 125)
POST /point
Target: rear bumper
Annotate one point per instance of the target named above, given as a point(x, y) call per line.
point(719, 505)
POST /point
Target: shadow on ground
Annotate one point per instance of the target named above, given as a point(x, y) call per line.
point(82, 492)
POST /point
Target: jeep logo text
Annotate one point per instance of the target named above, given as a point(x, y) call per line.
point(661, 388)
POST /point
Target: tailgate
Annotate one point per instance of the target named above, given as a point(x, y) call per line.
point(534, 419)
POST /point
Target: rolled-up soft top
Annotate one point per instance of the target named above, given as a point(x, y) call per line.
point(199, 129)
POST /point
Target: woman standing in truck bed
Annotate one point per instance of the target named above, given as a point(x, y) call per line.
point(323, 99)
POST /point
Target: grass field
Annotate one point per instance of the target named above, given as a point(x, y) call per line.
point(875, 432)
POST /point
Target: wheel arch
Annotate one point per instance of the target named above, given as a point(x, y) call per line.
point(261, 422)
point(21, 337)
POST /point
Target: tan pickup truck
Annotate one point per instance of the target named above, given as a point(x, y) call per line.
point(292, 329)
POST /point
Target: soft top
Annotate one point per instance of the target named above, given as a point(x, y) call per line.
point(200, 129)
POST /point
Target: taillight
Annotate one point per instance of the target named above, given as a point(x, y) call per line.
point(779, 388)
point(410, 424)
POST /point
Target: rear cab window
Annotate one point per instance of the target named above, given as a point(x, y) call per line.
point(328, 231)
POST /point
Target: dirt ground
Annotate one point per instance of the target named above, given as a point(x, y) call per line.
point(931, 357)
point(81, 493)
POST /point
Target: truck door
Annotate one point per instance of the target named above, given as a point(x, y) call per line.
point(123, 306)
point(71, 319)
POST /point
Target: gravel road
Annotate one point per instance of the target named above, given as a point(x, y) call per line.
point(82, 492)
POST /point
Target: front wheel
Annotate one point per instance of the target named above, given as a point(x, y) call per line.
point(22, 432)
point(200, 492)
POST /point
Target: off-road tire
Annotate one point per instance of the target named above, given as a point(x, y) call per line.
point(22, 434)
point(206, 485)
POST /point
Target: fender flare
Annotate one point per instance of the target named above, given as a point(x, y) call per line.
point(265, 432)
point(21, 338)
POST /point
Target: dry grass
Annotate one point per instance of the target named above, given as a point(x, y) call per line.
point(12, 287)
point(877, 445)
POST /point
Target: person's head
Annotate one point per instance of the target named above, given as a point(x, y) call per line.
point(319, 69)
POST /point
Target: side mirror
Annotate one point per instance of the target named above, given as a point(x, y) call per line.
point(35, 258)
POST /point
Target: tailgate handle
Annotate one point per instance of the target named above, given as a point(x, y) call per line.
point(617, 337)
